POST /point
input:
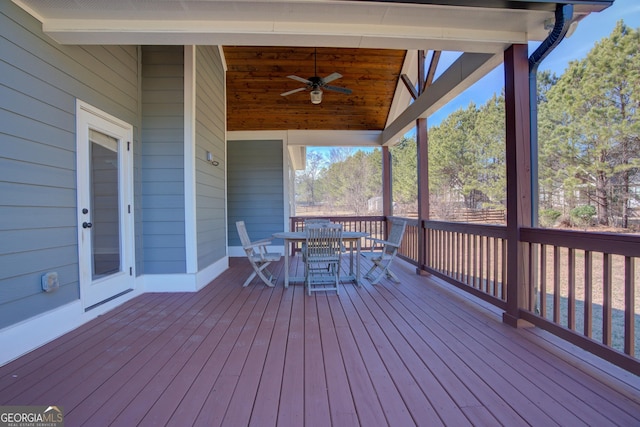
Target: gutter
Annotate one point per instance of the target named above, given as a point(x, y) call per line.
point(563, 16)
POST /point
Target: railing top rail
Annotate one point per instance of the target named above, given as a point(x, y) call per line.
point(341, 217)
point(410, 221)
point(499, 231)
point(610, 243)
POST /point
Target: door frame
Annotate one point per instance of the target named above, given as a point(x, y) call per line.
point(89, 117)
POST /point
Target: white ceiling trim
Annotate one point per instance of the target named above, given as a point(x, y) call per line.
point(318, 138)
point(67, 31)
point(318, 22)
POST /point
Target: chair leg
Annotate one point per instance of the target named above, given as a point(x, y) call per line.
point(260, 273)
point(392, 276)
point(371, 270)
point(267, 280)
point(249, 279)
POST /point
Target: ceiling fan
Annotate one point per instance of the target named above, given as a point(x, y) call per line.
point(316, 84)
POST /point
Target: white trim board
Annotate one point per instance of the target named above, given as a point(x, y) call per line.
point(39, 330)
point(184, 282)
point(190, 220)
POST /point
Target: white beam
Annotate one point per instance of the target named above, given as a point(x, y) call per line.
point(464, 72)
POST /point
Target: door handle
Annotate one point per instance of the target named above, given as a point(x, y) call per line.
point(87, 225)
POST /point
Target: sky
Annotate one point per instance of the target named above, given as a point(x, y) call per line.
point(591, 29)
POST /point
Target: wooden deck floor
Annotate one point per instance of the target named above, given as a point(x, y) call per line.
point(399, 355)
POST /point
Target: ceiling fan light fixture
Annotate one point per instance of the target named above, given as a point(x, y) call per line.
point(316, 96)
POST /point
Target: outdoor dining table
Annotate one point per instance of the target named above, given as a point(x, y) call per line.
point(351, 237)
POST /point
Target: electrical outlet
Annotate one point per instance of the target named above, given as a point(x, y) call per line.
point(50, 281)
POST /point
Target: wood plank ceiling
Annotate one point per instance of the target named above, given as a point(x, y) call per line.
point(257, 76)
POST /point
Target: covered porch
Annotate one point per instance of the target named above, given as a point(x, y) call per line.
point(420, 352)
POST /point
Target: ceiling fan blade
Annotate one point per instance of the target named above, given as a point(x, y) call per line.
point(293, 91)
point(331, 77)
point(338, 89)
point(300, 79)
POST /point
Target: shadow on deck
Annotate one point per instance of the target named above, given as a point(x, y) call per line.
point(414, 353)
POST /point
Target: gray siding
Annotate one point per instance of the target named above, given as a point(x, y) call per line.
point(255, 188)
point(210, 136)
point(39, 83)
point(163, 159)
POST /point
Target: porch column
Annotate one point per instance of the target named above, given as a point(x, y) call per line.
point(518, 170)
point(422, 144)
point(387, 201)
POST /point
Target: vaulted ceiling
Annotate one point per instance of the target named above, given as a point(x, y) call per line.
point(257, 76)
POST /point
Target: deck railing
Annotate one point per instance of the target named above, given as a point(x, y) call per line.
point(580, 286)
point(583, 288)
point(469, 256)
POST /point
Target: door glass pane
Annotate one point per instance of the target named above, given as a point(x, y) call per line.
point(105, 209)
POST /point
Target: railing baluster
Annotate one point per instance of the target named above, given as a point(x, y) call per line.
point(488, 267)
point(543, 280)
point(481, 263)
point(606, 298)
point(437, 250)
point(475, 261)
point(504, 269)
point(463, 257)
point(588, 294)
point(447, 252)
point(495, 266)
point(629, 306)
point(571, 309)
point(532, 277)
point(556, 284)
point(454, 253)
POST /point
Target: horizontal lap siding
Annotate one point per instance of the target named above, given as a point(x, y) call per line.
point(210, 136)
point(163, 219)
point(39, 84)
point(255, 188)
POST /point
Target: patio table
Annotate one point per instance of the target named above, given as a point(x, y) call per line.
point(351, 237)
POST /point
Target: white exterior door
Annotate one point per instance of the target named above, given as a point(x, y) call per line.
point(105, 211)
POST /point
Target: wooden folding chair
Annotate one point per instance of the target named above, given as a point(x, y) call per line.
point(382, 259)
point(258, 256)
point(322, 257)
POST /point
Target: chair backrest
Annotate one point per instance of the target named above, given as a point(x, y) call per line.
point(312, 221)
point(395, 235)
point(242, 232)
point(323, 241)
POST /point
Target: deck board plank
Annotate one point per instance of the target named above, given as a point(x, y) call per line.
point(406, 342)
point(392, 403)
point(173, 394)
point(220, 373)
point(265, 407)
point(536, 405)
point(316, 399)
point(341, 405)
point(26, 370)
point(389, 345)
point(366, 401)
point(291, 405)
point(238, 411)
point(171, 350)
point(511, 352)
point(141, 404)
point(418, 352)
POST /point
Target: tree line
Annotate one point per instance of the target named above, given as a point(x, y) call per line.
point(588, 149)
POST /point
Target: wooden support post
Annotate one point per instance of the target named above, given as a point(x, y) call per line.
point(387, 197)
point(422, 144)
point(518, 168)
